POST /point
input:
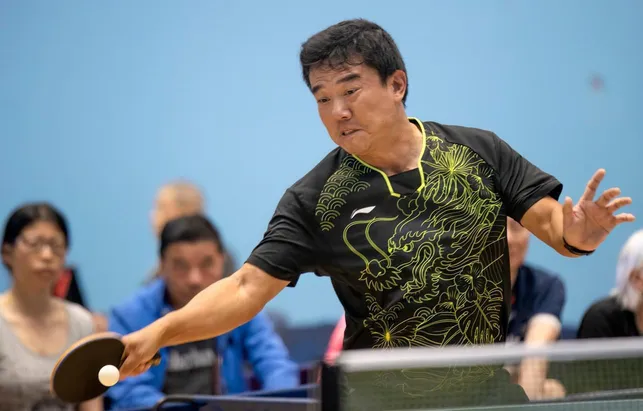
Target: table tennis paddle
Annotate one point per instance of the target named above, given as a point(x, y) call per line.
point(74, 378)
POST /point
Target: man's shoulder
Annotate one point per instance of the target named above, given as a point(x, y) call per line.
point(465, 135)
point(315, 179)
point(484, 143)
point(336, 176)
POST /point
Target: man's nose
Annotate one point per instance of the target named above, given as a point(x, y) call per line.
point(194, 277)
point(341, 111)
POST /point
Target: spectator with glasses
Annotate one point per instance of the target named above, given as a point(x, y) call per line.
point(35, 326)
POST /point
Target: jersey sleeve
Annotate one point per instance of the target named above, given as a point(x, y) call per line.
point(522, 183)
point(289, 246)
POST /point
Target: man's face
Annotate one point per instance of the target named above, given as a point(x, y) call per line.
point(354, 105)
point(518, 240)
point(190, 267)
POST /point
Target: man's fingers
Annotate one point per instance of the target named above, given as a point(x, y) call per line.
point(607, 196)
point(128, 367)
point(141, 369)
point(592, 185)
point(624, 218)
point(618, 203)
point(131, 369)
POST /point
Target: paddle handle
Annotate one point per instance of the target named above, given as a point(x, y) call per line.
point(156, 360)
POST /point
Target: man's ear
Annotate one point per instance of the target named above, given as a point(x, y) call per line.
point(398, 83)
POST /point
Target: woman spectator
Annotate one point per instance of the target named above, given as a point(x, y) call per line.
point(620, 314)
point(35, 326)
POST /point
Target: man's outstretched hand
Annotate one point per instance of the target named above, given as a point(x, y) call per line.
point(587, 224)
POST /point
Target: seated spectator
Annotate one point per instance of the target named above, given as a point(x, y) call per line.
point(177, 199)
point(537, 304)
point(538, 298)
point(192, 258)
point(68, 288)
point(173, 200)
point(35, 326)
point(619, 315)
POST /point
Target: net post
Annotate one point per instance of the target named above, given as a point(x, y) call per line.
point(330, 390)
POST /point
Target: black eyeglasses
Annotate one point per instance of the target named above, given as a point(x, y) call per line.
point(38, 244)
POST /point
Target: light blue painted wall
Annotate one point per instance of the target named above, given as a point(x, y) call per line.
point(101, 102)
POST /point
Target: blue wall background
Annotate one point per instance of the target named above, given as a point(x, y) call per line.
point(102, 102)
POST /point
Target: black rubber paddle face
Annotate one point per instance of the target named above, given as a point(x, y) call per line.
point(75, 378)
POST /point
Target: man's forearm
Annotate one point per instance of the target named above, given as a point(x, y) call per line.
point(216, 310)
point(545, 220)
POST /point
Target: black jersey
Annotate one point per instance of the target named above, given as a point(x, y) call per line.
point(419, 258)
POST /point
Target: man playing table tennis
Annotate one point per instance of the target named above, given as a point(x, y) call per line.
point(407, 217)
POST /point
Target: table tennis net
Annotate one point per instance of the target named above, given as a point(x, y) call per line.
point(592, 375)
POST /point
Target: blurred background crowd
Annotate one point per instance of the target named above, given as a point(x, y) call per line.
point(145, 145)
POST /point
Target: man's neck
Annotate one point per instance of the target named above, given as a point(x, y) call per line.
point(30, 303)
point(403, 150)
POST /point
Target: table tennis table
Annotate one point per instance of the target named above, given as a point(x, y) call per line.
point(598, 405)
point(305, 398)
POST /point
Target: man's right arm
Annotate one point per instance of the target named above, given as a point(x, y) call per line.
point(288, 248)
point(222, 307)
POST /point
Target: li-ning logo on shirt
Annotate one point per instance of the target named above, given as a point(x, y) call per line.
point(364, 210)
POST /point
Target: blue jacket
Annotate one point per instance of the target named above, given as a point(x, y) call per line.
point(255, 342)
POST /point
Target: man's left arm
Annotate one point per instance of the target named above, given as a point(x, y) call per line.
point(578, 229)
point(531, 197)
point(268, 355)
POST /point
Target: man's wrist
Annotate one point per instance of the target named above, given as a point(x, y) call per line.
point(163, 330)
point(574, 250)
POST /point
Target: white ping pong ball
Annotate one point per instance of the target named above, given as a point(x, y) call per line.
point(108, 375)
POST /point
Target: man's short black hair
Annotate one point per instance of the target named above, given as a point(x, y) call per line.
point(355, 41)
point(189, 229)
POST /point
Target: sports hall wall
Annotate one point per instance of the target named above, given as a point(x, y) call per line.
point(102, 102)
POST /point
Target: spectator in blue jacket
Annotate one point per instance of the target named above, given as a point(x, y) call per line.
point(192, 258)
point(537, 302)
